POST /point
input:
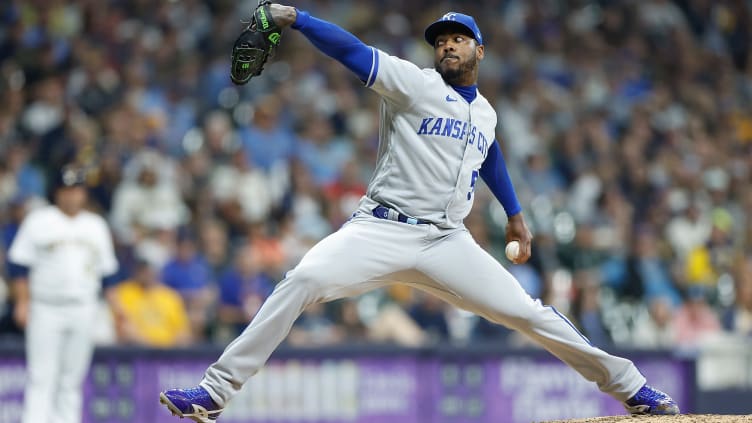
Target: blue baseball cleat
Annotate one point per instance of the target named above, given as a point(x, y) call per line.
point(649, 400)
point(194, 403)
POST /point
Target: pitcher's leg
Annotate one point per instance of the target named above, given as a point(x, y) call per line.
point(245, 355)
point(482, 285)
point(359, 257)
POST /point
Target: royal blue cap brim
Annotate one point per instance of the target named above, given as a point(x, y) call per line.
point(443, 25)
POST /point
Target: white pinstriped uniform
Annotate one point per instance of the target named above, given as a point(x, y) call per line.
point(67, 257)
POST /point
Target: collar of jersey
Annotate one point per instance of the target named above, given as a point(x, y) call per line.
point(468, 93)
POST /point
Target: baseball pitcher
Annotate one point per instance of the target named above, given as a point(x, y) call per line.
point(67, 250)
point(437, 138)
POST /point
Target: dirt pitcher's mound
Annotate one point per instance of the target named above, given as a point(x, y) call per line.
point(687, 418)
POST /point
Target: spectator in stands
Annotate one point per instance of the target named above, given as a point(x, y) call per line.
point(147, 199)
point(242, 289)
point(654, 329)
point(221, 139)
point(707, 262)
point(344, 193)
point(353, 328)
point(543, 179)
point(744, 221)
point(737, 319)
point(650, 268)
point(215, 245)
point(324, 154)
point(315, 327)
point(241, 191)
point(388, 322)
point(308, 206)
point(644, 273)
point(7, 184)
point(695, 322)
point(190, 275)
point(29, 181)
point(586, 309)
point(147, 312)
point(104, 185)
point(13, 319)
point(267, 245)
point(430, 313)
point(689, 228)
point(266, 140)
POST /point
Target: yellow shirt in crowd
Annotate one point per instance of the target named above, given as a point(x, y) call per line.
point(157, 314)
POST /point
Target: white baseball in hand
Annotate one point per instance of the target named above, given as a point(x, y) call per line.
point(513, 250)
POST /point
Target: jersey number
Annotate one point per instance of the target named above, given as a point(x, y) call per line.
point(473, 179)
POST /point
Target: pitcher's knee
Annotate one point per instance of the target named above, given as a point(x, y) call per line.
point(310, 281)
point(519, 318)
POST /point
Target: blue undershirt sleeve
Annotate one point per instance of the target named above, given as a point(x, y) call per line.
point(495, 175)
point(337, 43)
point(16, 270)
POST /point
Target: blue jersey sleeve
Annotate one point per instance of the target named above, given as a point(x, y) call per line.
point(495, 175)
point(338, 44)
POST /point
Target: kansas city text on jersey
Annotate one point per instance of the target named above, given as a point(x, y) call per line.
point(454, 128)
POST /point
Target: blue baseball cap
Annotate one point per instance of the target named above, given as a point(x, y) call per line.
point(453, 19)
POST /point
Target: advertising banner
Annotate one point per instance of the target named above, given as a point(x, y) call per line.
point(429, 388)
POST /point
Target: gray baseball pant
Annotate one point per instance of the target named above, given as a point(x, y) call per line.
point(368, 253)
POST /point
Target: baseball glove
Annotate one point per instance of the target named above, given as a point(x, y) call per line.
point(255, 45)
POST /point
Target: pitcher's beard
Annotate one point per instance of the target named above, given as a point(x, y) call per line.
point(454, 76)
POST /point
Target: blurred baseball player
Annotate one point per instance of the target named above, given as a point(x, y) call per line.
point(67, 250)
point(437, 137)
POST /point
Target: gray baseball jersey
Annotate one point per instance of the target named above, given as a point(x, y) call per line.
point(432, 143)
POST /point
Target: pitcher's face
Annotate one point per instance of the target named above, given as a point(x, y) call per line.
point(455, 55)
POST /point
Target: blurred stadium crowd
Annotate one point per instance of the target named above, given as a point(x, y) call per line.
point(626, 126)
